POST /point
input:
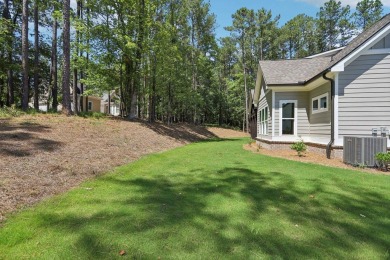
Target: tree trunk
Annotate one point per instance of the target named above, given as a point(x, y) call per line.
point(36, 57)
point(134, 106)
point(75, 103)
point(80, 7)
point(109, 103)
point(152, 102)
point(54, 67)
point(1, 92)
point(246, 119)
point(10, 100)
point(246, 101)
point(10, 83)
point(66, 105)
point(25, 55)
point(75, 75)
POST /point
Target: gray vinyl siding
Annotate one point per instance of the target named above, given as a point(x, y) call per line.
point(303, 110)
point(320, 122)
point(364, 95)
point(383, 44)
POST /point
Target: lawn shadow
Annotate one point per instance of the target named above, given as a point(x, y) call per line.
point(176, 203)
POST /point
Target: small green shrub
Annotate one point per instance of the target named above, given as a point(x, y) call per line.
point(11, 112)
point(383, 160)
point(95, 115)
point(300, 147)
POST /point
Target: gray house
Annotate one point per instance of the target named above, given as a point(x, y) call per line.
point(321, 98)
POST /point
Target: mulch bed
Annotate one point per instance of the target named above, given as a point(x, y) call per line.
point(309, 157)
point(44, 155)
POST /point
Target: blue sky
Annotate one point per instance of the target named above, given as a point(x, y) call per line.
point(286, 8)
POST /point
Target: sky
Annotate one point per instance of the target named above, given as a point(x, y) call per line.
point(287, 9)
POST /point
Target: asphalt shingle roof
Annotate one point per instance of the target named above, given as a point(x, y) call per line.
point(285, 72)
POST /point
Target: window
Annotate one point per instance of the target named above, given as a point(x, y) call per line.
point(288, 117)
point(89, 105)
point(320, 104)
point(263, 120)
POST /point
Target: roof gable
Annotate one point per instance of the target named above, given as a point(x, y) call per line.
point(301, 71)
point(361, 39)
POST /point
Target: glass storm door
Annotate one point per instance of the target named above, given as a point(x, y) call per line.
point(288, 118)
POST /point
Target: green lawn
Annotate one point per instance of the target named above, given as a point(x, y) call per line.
point(210, 200)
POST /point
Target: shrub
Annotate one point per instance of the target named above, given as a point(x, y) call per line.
point(300, 147)
point(95, 115)
point(11, 112)
point(383, 160)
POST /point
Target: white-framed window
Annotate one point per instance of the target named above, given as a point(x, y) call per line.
point(263, 121)
point(319, 104)
point(89, 105)
point(288, 117)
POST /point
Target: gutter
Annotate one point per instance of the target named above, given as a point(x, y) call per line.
point(332, 91)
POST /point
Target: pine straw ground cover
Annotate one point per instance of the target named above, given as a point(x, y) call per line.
point(43, 155)
point(210, 200)
point(310, 157)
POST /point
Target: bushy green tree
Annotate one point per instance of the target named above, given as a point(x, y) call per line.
point(368, 12)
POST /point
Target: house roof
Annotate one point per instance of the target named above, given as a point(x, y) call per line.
point(300, 71)
point(286, 72)
point(361, 39)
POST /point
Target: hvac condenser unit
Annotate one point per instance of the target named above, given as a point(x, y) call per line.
point(362, 150)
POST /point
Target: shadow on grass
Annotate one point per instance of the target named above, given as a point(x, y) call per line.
point(277, 219)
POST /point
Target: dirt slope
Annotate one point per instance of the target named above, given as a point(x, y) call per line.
point(45, 155)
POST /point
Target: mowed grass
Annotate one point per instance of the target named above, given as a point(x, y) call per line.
point(210, 200)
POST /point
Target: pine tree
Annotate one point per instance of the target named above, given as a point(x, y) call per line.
point(25, 88)
point(368, 12)
point(66, 102)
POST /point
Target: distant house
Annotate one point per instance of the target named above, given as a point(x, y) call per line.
point(321, 98)
point(111, 104)
point(91, 103)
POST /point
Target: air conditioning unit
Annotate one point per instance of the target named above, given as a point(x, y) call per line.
point(362, 150)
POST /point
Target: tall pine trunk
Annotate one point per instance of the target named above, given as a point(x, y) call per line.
point(75, 75)
point(54, 76)
point(25, 87)
point(136, 86)
point(10, 100)
point(36, 57)
point(152, 101)
point(66, 104)
point(81, 54)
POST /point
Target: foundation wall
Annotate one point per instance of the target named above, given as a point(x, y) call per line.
point(337, 152)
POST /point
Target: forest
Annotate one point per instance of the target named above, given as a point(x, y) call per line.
point(161, 59)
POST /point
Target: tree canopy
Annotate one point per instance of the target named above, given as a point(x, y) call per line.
point(161, 58)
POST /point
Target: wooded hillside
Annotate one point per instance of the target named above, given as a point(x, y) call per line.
point(160, 58)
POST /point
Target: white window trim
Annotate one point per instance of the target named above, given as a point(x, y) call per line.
point(258, 120)
point(273, 113)
point(261, 123)
point(281, 102)
point(336, 106)
point(320, 110)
